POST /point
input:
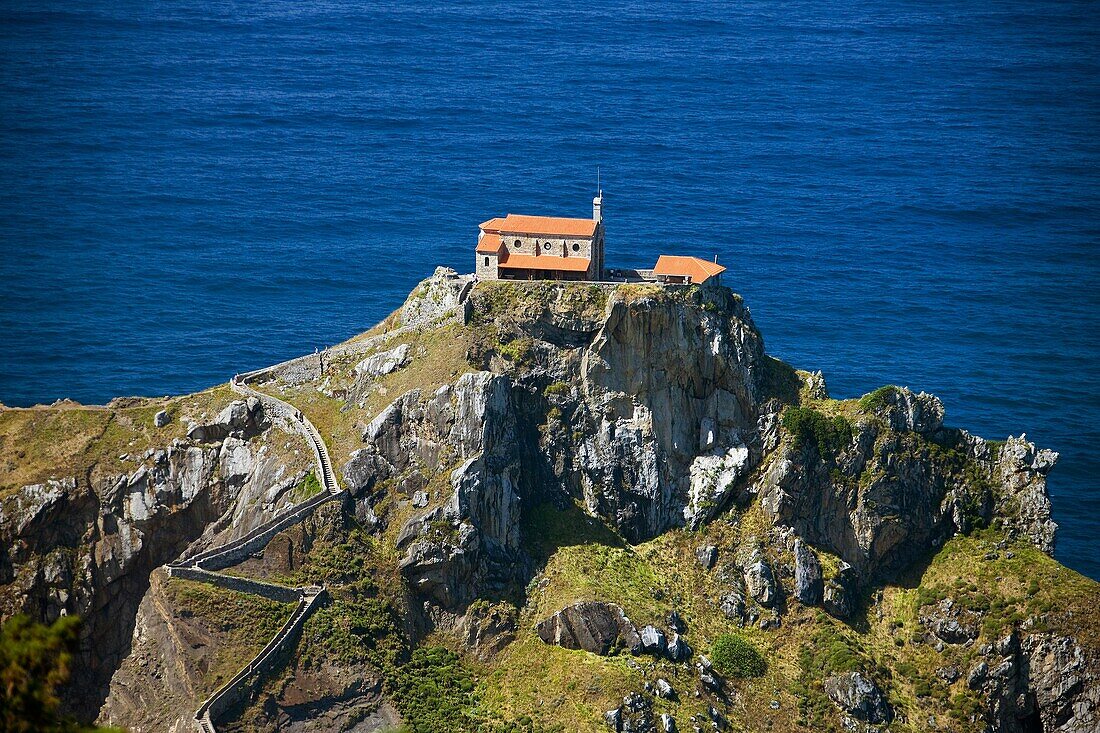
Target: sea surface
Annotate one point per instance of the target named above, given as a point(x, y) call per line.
point(904, 192)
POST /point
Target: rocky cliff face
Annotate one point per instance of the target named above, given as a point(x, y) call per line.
point(657, 411)
point(643, 406)
point(532, 462)
point(87, 544)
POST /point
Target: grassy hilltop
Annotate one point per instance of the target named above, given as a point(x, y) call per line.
point(529, 446)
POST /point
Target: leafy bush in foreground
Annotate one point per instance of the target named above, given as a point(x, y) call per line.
point(34, 661)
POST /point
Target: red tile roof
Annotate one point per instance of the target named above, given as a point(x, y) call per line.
point(698, 270)
point(493, 225)
point(489, 244)
point(510, 261)
point(555, 226)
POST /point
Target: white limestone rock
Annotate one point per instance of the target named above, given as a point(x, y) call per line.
point(383, 363)
point(713, 479)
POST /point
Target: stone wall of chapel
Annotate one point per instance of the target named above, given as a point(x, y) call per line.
point(486, 267)
point(559, 246)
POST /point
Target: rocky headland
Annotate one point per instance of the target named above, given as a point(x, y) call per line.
point(565, 506)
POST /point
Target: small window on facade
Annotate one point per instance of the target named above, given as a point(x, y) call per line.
point(517, 244)
point(486, 261)
point(576, 247)
point(546, 246)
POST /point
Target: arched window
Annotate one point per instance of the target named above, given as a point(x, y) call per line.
point(486, 261)
point(518, 244)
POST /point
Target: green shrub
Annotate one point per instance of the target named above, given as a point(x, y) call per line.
point(520, 352)
point(877, 399)
point(354, 632)
point(557, 389)
point(34, 662)
point(309, 487)
point(734, 657)
point(435, 692)
point(810, 427)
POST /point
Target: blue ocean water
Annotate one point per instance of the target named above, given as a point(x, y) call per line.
point(904, 192)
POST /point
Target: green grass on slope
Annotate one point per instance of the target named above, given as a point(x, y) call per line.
point(240, 624)
point(583, 560)
point(70, 440)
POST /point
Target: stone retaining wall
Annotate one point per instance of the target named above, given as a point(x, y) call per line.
point(240, 688)
point(271, 591)
point(244, 547)
point(299, 422)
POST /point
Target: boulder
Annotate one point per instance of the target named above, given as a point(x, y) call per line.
point(161, 419)
point(859, 697)
point(707, 555)
point(808, 586)
point(653, 641)
point(636, 715)
point(948, 674)
point(949, 622)
point(668, 723)
point(244, 418)
point(664, 689)
point(733, 605)
point(714, 476)
point(840, 592)
point(710, 681)
point(592, 626)
point(760, 581)
point(977, 675)
point(383, 363)
point(677, 649)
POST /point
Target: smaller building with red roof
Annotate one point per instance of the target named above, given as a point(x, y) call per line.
point(680, 269)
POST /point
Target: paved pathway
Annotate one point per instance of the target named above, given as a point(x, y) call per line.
point(320, 452)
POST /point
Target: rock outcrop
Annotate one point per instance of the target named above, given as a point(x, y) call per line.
point(244, 418)
point(592, 626)
point(666, 385)
point(859, 697)
point(383, 363)
point(1021, 470)
point(435, 298)
point(808, 587)
point(1040, 682)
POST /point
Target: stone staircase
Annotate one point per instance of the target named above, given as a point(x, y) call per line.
point(204, 566)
